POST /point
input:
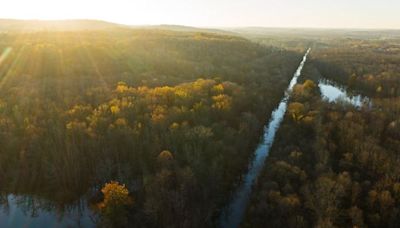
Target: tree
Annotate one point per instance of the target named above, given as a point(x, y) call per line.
point(114, 207)
point(296, 110)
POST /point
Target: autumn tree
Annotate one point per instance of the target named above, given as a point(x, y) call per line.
point(114, 207)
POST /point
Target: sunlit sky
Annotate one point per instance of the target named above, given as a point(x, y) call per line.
point(215, 13)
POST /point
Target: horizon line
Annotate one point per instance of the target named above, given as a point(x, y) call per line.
point(205, 26)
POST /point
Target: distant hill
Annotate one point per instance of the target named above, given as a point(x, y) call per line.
point(317, 33)
point(181, 28)
point(10, 25)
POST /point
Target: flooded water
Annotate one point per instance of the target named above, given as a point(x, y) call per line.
point(28, 211)
point(332, 92)
point(233, 214)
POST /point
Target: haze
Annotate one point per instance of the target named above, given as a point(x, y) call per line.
point(220, 13)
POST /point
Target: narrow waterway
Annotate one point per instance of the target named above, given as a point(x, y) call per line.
point(233, 214)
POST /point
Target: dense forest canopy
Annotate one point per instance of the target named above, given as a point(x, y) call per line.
point(333, 164)
point(155, 126)
point(174, 116)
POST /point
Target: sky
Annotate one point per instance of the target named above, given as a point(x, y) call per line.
point(215, 13)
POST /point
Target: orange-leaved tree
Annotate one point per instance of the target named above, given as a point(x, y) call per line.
point(114, 207)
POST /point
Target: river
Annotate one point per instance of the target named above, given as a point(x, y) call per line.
point(233, 214)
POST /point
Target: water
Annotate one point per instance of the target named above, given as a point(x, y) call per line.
point(233, 214)
point(333, 93)
point(28, 211)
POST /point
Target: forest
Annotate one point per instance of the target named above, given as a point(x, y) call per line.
point(156, 126)
point(165, 120)
point(333, 164)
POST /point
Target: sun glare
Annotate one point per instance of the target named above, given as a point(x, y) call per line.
point(215, 13)
point(5, 54)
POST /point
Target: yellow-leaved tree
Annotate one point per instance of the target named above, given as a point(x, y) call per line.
point(114, 207)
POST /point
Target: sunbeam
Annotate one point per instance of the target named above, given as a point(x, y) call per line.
point(5, 54)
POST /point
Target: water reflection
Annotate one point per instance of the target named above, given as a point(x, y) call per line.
point(30, 211)
point(332, 92)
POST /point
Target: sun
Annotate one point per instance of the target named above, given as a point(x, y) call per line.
point(115, 11)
